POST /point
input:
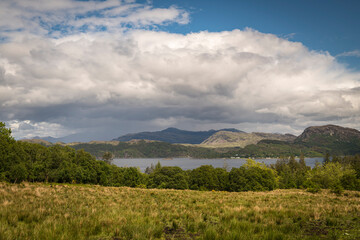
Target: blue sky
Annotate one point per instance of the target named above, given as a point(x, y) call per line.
point(98, 69)
point(322, 25)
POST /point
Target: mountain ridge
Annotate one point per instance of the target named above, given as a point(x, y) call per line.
point(334, 139)
point(343, 133)
point(173, 135)
point(314, 141)
point(242, 139)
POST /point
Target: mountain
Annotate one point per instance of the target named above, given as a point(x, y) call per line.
point(66, 139)
point(145, 149)
point(314, 141)
point(47, 139)
point(331, 138)
point(173, 135)
point(329, 132)
point(38, 141)
point(242, 139)
point(86, 136)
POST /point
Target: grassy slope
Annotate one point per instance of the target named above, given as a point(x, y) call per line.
point(332, 144)
point(147, 149)
point(274, 148)
point(40, 211)
point(241, 139)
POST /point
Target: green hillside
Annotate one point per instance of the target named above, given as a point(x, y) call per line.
point(274, 149)
point(313, 142)
point(173, 135)
point(147, 149)
point(242, 139)
point(330, 138)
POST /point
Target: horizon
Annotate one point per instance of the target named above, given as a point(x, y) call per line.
point(100, 69)
point(63, 139)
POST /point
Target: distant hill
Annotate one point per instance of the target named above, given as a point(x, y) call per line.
point(66, 139)
point(314, 141)
point(38, 141)
point(76, 137)
point(173, 135)
point(47, 139)
point(242, 139)
point(342, 134)
point(331, 138)
point(145, 149)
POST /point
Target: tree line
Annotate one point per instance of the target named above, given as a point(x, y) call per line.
point(22, 161)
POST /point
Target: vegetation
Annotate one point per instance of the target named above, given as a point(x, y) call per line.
point(333, 139)
point(242, 139)
point(273, 148)
point(22, 161)
point(61, 211)
point(155, 149)
point(174, 135)
point(313, 142)
point(108, 157)
point(147, 149)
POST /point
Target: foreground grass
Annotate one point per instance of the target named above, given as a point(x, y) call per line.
point(44, 211)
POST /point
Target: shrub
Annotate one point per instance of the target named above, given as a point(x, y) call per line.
point(168, 177)
point(252, 176)
point(314, 189)
point(338, 189)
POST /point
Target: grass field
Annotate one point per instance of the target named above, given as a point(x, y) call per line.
point(44, 211)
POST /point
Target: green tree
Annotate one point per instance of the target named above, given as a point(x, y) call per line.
point(168, 177)
point(132, 177)
point(204, 178)
point(6, 150)
point(330, 174)
point(326, 158)
point(302, 161)
point(150, 169)
point(108, 157)
point(5, 133)
point(18, 173)
point(252, 176)
point(293, 164)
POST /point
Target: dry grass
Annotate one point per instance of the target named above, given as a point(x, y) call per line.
point(40, 211)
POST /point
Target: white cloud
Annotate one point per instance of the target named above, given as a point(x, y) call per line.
point(66, 17)
point(114, 79)
point(355, 53)
point(28, 129)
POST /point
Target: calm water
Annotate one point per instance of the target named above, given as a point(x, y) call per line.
point(191, 163)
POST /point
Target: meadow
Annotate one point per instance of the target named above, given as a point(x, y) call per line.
point(74, 211)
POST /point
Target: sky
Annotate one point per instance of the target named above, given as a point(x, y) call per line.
point(96, 70)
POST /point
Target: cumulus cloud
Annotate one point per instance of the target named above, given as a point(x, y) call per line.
point(29, 129)
point(355, 53)
point(66, 17)
point(141, 79)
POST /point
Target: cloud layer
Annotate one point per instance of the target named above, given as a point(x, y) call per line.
point(58, 18)
point(129, 78)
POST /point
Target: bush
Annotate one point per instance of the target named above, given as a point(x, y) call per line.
point(314, 189)
point(331, 174)
point(18, 173)
point(252, 176)
point(338, 189)
point(350, 182)
point(168, 177)
point(207, 177)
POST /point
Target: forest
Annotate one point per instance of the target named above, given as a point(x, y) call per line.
point(23, 161)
